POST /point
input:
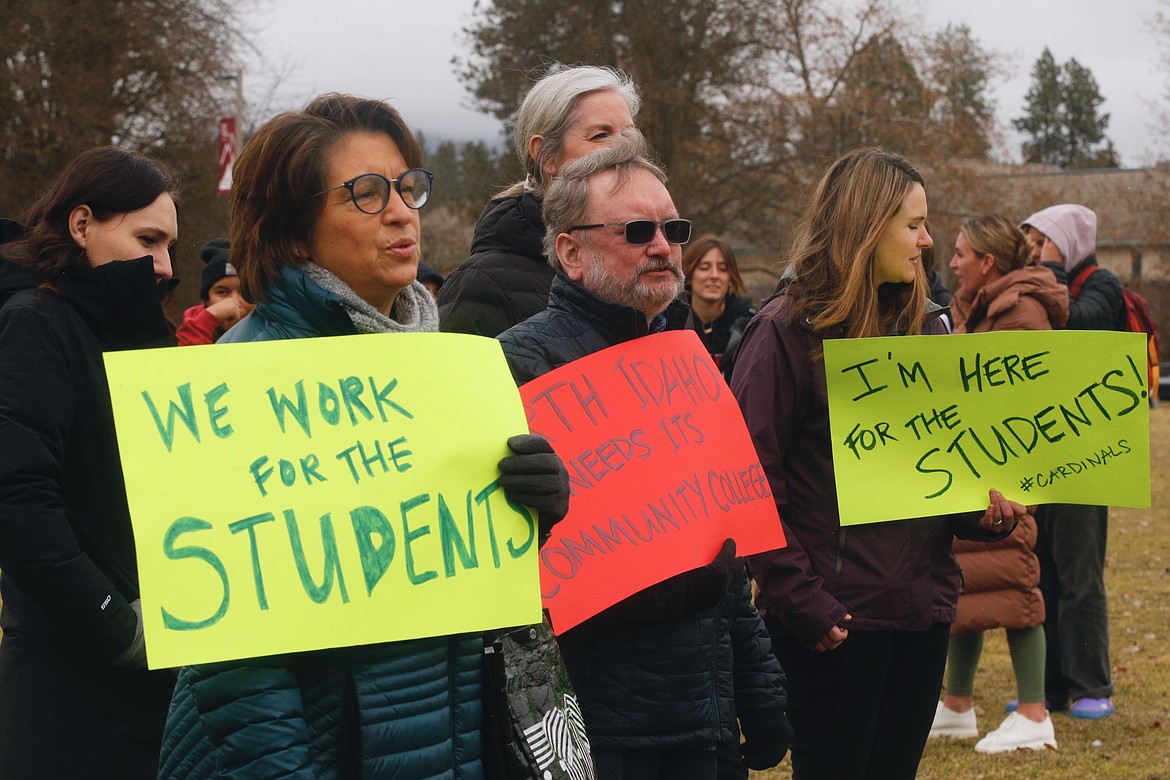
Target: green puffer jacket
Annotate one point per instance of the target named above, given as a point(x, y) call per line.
point(407, 709)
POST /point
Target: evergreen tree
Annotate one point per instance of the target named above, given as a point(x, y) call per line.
point(1062, 119)
point(1043, 118)
point(1084, 126)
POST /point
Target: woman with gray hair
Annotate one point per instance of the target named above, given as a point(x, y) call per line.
point(567, 114)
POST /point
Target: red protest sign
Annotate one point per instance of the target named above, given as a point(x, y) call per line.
point(661, 470)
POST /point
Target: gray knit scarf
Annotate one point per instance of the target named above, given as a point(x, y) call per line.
point(414, 309)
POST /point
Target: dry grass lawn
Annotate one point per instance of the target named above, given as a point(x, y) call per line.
point(1135, 743)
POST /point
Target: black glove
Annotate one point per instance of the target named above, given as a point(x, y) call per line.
point(766, 736)
point(535, 476)
point(707, 585)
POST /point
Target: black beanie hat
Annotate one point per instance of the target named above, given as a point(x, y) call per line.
point(428, 273)
point(215, 254)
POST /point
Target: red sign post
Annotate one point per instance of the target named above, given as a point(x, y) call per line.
point(661, 471)
point(227, 153)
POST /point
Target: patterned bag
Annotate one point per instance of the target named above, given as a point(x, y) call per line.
point(532, 725)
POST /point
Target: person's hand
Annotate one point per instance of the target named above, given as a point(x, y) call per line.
point(535, 476)
point(707, 585)
point(134, 656)
point(833, 639)
point(766, 736)
point(1002, 515)
point(227, 311)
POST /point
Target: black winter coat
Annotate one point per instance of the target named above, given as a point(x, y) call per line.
point(66, 548)
point(649, 674)
point(507, 278)
point(1100, 305)
point(722, 336)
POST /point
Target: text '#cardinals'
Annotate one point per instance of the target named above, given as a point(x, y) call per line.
point(661, 471)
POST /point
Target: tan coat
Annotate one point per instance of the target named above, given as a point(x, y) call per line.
point(1028, 299)
point(1001, 580)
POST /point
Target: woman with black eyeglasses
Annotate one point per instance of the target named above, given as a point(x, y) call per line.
point(325, 237)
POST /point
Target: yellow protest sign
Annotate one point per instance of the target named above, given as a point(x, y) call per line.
point(924, 425)
point(295, 495)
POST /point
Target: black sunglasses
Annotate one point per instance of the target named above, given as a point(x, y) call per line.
point(370, 192)
point(641, 231)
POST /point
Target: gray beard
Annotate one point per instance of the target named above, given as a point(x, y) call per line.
point(650, 300)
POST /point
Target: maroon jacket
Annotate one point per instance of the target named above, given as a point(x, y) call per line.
point(899, 575)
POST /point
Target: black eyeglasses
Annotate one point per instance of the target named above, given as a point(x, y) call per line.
point(370, 192)
point(641, 231)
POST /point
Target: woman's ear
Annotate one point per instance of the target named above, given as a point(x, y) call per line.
point(80, 221)
point(535, 144)
point(987, 261)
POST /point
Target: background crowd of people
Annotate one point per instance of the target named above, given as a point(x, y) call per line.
point(850, 630)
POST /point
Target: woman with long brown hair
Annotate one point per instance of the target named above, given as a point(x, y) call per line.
point(715, 291)
point(859, 616)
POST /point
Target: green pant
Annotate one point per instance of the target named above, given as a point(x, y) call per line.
point(1026, 646)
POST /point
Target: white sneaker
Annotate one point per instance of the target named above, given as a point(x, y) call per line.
point(1018, 733)
point(948, 723)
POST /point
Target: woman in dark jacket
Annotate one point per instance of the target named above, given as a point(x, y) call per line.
point(1073, 537)
point(568, 113)
point(325, 235)
point(721, 310)
point(76, 699)
point(859, 616)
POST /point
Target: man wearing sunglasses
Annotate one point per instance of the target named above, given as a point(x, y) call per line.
point(655, 674)
point(616, 243)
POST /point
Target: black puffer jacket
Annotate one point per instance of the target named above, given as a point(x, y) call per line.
point(507, 278)
point(66, 548)
point(647, 673)
point(1100, 305)
point(722, 336)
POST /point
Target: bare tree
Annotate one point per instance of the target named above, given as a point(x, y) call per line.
point(745, 101)
point(1160, 22)
point(140, 73)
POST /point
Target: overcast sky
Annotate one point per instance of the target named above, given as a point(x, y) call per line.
point(401, 50)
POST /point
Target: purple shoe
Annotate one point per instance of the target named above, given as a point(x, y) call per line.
point(1091, 709)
